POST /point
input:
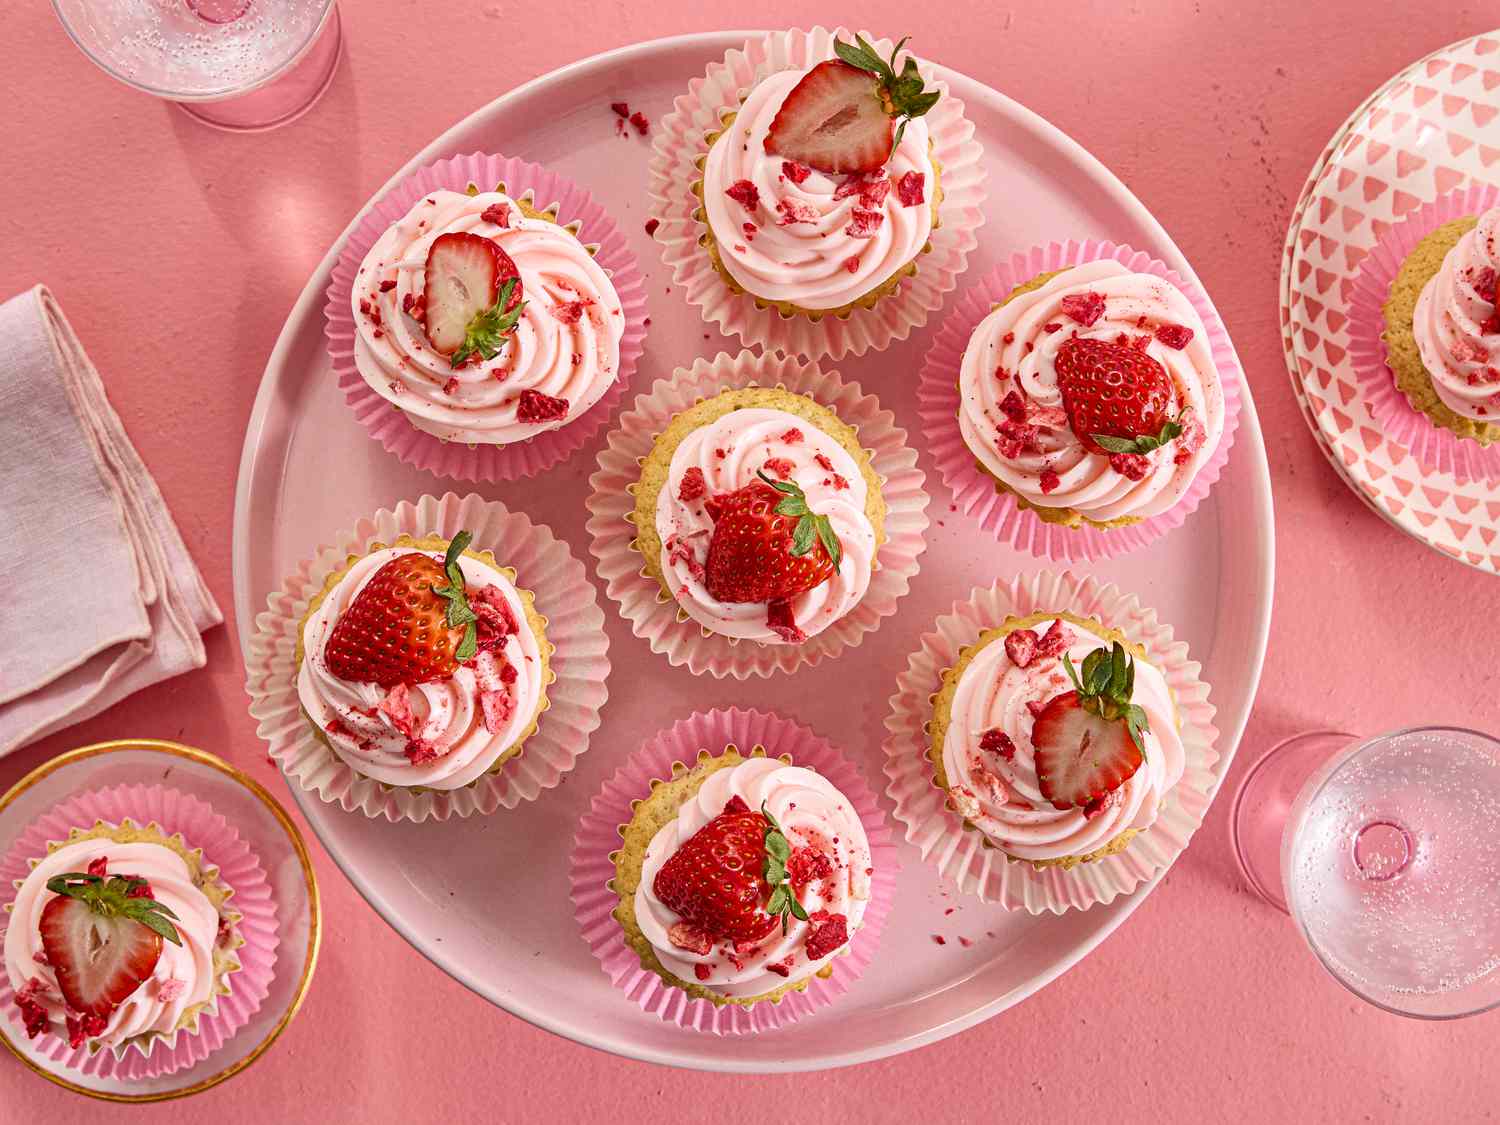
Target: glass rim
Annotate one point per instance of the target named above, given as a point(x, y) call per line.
point(1345, 757)
point(210, 96)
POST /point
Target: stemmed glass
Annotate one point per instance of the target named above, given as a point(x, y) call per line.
point(1386, 853)
point(243, 65)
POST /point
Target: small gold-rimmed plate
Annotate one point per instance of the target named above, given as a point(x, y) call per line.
point(266, 829)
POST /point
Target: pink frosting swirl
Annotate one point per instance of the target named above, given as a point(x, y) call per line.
point(1014, 349)
point(1003, 799)
point(567, 344)
point(449, 717)
point(804, 242)
point(183, 976)
point(729, 452)
point(812, 814)
point(1456, 326)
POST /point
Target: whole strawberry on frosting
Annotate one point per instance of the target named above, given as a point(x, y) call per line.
point(848, 114)
point(1118, 399)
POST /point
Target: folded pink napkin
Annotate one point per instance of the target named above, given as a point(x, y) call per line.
point(98, 596)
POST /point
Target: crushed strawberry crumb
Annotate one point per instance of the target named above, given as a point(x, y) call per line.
point(702, 971)
point(852, 263)
point(794, 171)
point(795, 211)
point(1131, 466)
point(1054, 641)
point(807, 865)
point(641, 122)
point(1049, 480)
point(387, 285)
point(780, 467)
point(864, 223)
point(782, 968)
point(1052, 326)
point(1013, 406)
point(911, 189)
point(497, 213)
point(651, 225)
point(826, 934)
point(33, 1013)
point(451, 386)
point(692, 486)
point(537, 407)
point(793, 436)
point(1020, 647)
point(1012, 439)
point(684, 935)
point(781, 621)
point(1085, 308)
point(84, 1027)
point(1174, 335)
point(746, 194)
point(996, 741)
point(621, 109)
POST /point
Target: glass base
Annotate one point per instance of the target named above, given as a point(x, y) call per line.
point(1264, 799)
point(287, 96)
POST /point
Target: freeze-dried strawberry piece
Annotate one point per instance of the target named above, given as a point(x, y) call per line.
point(419, 751)
point(1054, 641)
point(746, 194)
point(1131, 466)
point(83, 1028)
point(793, 436)
point(1049, 481)
point(826, 933)
point(1036, 706)
point(396, 706)
point(807, 865)
point(497, 213)
point(779, 466)
point(782, 623)
point(641, 122)
point(996, 741)
point(496, 622)
point(864, 223)
point(1013, 406)
point(537, 407)
point(33, 1013)
point(1174, 335)
point(782, 968)
point(1085, 308)
point(685, 935)
point(1015, 438)
point(692, 486)
point(99, 866)
point(911, 189)
point(1100, 804)
point(794, 171)
point(702, 971)
point(795, 211)
point(1190, 440)
point(170, 989)
point(1020, 647)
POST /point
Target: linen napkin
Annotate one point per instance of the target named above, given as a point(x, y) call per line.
point(98, 596)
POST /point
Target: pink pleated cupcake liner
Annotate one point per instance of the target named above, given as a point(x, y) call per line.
point(656, 617)
point(595, 228)
point(599, 836)
point(975, 491)
point(678, 144)
point(174, 813)
point(960, 853)
point(575, 627)
point(1434, 446)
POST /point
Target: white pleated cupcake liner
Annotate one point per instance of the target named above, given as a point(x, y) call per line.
point(656, 617)
point(575, 628)
point(961, 853)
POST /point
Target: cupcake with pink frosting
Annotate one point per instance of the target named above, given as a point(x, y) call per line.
point(741, 878)
point(1055, 739)
point(485, 321)
point(1442, 327)
point(423, 664)
point(1092, 395)
point(821, 191)
point(760, 515)
point(117, 937)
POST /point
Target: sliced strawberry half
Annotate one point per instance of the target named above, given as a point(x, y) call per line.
point(1088, 742)
point(472, 295)
point(103, 938)
point(848, 114)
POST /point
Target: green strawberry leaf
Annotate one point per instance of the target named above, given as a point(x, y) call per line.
point(1145, 443)
point(809, 527)
point(783, 903)
point(905, 91)
point(486, 333)
point(1106, 687)
point(110, 898)
point(458, 611)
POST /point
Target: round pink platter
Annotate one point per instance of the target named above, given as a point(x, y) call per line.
point(453, 888)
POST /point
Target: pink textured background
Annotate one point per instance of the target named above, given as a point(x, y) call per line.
point(177, 252)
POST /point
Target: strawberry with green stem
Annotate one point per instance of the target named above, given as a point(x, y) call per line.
point(768, 545)
point(1118, 399)
point(103, 936)
point(847, 115)
point(1088, 742)
point(472, 297)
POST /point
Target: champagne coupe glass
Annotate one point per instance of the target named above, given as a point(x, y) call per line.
point(1386, 853)
point(243, 65)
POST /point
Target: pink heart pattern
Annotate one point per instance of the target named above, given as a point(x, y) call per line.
point(1416, 141)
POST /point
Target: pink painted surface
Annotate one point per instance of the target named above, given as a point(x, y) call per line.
point(177, 252)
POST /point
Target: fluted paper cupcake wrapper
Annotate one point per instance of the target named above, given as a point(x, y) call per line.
point(961, 853)
point(975, 491)
point(1438, 448)
point(595, 228)
point(575, 627)
point(174, 813)
point(656, 617)
point(592, 869)
point(678, 144)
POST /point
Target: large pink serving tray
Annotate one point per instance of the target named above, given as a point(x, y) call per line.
point(309, 469)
